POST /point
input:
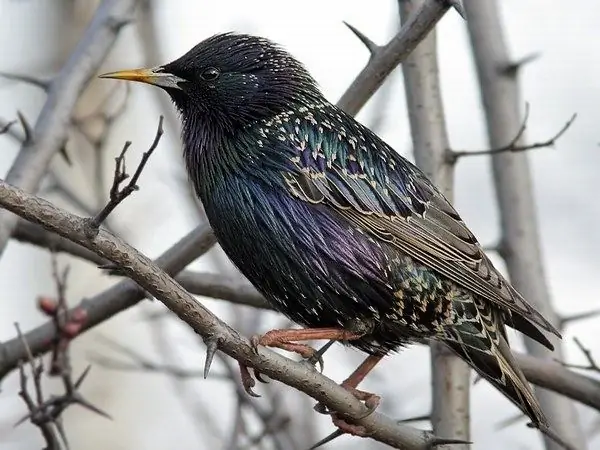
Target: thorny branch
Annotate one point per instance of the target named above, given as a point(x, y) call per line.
point(46, 414)
point(592, 364)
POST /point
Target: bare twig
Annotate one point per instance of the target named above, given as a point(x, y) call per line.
point(514, 145)
point(118, 194)
point(47, 414)
point(50, 131)
point(568, 320)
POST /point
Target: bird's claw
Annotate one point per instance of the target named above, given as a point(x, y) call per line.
point(247, 381)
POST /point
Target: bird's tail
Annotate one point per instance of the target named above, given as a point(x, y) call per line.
point(479, 339)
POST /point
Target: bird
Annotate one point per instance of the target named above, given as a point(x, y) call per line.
point(336, 229)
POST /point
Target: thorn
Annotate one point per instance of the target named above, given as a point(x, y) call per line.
point(42, 84)
point(421, 418)
point(441, 441)
point(512, 68)
point(458, 7)
point(83, 402)
point(82, 377)
point(371, 46)
point(212, 345)
point(27, 130)
point(326, 440)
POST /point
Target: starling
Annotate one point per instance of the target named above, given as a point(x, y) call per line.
point(338, 231)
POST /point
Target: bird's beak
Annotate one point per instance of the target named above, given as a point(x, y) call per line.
point(156, 76)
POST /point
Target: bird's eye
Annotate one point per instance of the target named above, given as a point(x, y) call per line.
point(210, 74)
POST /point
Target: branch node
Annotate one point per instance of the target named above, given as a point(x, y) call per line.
point(117, 23)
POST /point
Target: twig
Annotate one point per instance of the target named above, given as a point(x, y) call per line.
point(51, 128)
point(47, 414)
point(117, 195)
point(513, 146)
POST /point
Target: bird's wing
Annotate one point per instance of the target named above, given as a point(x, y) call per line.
point(361, 178)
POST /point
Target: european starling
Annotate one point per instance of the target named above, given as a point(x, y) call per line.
point(337, 230)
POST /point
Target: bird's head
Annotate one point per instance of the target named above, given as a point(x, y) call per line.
point(231, 80)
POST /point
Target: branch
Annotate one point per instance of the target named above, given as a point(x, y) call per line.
point(150, 277)
point(548, 374)
point(386, 58)
point(512, 178)
point(50, 131)
point(450, 374)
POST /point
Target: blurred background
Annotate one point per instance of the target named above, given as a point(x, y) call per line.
point(155, 410)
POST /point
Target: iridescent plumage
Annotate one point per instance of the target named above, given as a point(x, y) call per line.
point(330, 223)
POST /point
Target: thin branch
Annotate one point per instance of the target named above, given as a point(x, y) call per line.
point(514, 146)
point(151, 278)
point(51, 128)
point(386, 58)
point(118, 194)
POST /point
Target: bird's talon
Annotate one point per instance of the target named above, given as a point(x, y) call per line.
point(260, 378)
point(247, 381)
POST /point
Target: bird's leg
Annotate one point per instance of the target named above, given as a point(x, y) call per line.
point(288, 340)
point(371, 400)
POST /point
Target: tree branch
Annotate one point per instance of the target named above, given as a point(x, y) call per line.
point(50, 131)
point(512, 179)
point(150, 277)
point(450, 375)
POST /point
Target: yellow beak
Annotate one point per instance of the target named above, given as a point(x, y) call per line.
point(155, 76)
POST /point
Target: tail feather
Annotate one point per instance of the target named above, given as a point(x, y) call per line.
point(499, 368)
point(478, 336)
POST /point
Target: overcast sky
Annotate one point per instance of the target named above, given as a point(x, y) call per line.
point(562, 81)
